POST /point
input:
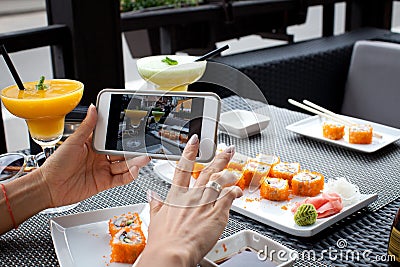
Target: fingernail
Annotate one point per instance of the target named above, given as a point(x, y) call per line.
point(193, 140)
point(230, 149)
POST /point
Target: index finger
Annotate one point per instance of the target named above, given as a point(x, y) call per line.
point(218, 164)
point(183, 170)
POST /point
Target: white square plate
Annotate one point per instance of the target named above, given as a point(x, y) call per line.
point(83, 239)
point(242, 123)
point(312, 127)
point(274, 213)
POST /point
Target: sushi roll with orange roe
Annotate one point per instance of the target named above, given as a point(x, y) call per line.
point(360, 134)
point(129, 220)
point(197, 168)
point(267, 159)
point(238, 177)
point(285, 170)
point(332, 130)
point(307, 183)
point(253, 172)
point(127, 245)
point(275, 189)
point(237, 162)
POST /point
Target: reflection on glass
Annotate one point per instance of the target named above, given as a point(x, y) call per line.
point(135, 116)
point(157, 117)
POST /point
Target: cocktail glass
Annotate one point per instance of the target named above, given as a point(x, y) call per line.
point(44, 112)
point(135, 116)
point(171, 77)
point(157, 117)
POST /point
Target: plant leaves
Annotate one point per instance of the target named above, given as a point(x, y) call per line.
point(170, 61)
point(41, 85)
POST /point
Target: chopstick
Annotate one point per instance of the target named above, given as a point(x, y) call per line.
point(311, 104)
point(312, 110)
point(323, 112)
point(15, 169)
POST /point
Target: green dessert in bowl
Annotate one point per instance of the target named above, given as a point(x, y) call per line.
point(172, 72)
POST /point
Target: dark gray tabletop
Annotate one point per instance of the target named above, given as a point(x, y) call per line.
point(365, 231)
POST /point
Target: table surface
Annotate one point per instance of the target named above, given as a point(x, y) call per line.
point(367, 229)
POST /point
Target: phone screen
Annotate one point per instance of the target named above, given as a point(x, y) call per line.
point(153, 124)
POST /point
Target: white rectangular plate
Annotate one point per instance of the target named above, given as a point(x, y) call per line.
point(274, 213)
point(312, 127)
point(83, 239)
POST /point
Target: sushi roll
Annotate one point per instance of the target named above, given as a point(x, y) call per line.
point(275, 189)
point(267, 159)
point(285, 170)
point(197, 168)
point(360, 134)
point(253, 172)
point(129, 220)
point(238, 175)
point(127, 245)
point(237, 162)
point(333, 131)
point(307, 183)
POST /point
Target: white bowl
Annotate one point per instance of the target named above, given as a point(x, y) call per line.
point(242, 123)
point(279, 254)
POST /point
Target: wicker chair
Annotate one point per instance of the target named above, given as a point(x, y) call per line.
point(315, 70)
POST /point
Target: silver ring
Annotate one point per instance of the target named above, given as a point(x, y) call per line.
point(214, 185)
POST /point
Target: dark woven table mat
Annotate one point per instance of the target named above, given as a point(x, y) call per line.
point(368, 229)
point(373, 172)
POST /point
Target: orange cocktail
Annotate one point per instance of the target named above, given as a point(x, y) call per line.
point(44, 110)
point(135, 115)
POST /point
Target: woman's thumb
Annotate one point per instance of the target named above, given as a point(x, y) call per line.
point(87, 126)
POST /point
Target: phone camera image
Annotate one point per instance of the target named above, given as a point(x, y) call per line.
point(153, 124)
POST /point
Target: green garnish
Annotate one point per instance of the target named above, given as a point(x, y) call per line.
point(170, 61)
point(306, 214)
point(41, 85)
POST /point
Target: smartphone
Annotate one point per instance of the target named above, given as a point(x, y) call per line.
point(156, 123)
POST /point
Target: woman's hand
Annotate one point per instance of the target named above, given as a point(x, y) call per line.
point(189, 222)
point(75, 172)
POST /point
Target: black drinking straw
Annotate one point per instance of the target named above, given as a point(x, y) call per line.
point(212, 53)
point(11, 67)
